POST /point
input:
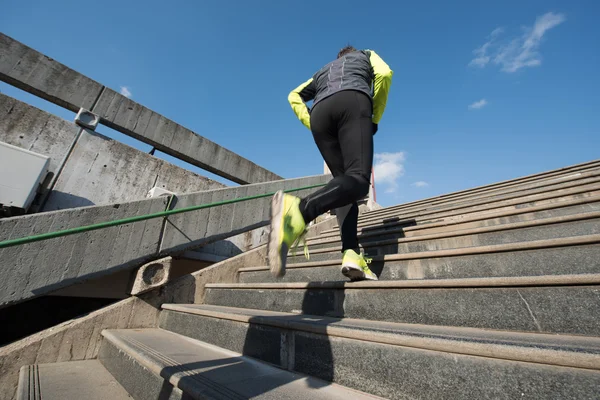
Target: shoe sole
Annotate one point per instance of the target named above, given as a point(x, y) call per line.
point(355, 274)
point(277, 259)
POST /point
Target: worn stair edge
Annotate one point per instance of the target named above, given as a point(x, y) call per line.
point(236, 377)
point(495, 186)
point(377, 230)
point(532, 245)
point(484, 208)
point(560, 350)
point(69, 380)
point(395, 372)
point(542, 280)
point(588, 178)
point(460, 232)
point(497, 192)
point(499, 185)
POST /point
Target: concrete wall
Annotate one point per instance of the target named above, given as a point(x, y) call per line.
point(104, 171)
point(94, 169)
point(39, 268)
point(27, 69)
point(80, 339)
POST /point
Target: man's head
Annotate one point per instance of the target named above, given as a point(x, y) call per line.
point(346, 50)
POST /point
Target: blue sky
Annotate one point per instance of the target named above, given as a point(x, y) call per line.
point(482, 91)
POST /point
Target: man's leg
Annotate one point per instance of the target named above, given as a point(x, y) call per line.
point(343, 132)
point(349, 149)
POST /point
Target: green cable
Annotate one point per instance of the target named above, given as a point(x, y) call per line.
point(107, 224)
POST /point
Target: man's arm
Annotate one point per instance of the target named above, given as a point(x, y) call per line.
point(383, 81)
point(298, 98)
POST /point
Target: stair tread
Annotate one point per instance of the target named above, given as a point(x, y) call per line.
point(541, 280)
point(464, 251)
point(564, 350)
point(199, 369)
point(70, 380)
point(454, 220)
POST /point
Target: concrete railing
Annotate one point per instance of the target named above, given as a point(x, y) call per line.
point(32, 71)
point(37, 268)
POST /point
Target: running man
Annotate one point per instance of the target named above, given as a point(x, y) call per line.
point(349, 97)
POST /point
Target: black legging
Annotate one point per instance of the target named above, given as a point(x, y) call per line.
point(343, 131)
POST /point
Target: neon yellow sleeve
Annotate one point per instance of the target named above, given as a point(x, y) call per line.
point(297, 99)
point(383, 81)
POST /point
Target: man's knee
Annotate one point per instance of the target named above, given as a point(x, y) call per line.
point(362, 184)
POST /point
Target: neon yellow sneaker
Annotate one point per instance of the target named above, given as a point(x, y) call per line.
point(287, 228)
point(356, 266)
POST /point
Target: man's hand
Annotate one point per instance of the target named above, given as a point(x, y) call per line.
point(375, 127)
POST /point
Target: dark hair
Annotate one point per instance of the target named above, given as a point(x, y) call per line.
point(345, 50)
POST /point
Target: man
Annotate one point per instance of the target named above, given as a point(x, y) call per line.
point(349, 97)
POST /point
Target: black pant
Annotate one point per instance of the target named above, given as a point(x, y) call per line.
point(343, 131)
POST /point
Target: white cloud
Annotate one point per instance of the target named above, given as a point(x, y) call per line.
point(389, 168)
point(478, 104)
point(421, 184)
point(517, 52)
point(125, 91)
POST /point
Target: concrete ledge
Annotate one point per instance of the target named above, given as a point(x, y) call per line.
point(80, 339)
point(29, 70)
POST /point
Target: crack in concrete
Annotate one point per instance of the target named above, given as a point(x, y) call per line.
point(530, 312)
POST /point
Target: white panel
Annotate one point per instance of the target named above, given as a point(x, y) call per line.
point(21, 172)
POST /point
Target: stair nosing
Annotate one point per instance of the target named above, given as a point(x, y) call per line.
point(128, 345)
point(591, 199)
point(465, 232)
point(458, 340)
point(517, 199)
point(590, 174)
point(459, 283)
point(371, 224)
point(463, 251)
point(590, 165)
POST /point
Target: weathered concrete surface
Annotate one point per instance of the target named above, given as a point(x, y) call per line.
point(80, 338)
point(545, 309)
point(37, 268)
point(481, 191)
point(207, 225)
point(36, 73)
point(154, 364)
point(550, 261)
point(104, 171)
point(426, 373)
point(70, 380)
point(30, 70)
point(32, 129)
point(151, 275)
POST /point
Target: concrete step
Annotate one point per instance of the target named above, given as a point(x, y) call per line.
point(486, 207)
point(158, 364)
point(489, 194)
point(572, 255)
point(433, 362)
point(68, 381)
point(565, 173)
point(545, 228)
point(563, 304)
point(409, 228)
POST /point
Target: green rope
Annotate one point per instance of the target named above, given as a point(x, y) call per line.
point(107, 224)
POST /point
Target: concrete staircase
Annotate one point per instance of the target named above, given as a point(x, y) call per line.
point(490, 293)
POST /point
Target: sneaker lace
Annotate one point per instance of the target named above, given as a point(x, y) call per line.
point(301, 238)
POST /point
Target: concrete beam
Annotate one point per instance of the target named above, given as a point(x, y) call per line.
point(38, 268)
point(41, 267)
point(197, 228)
point(27, 69)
